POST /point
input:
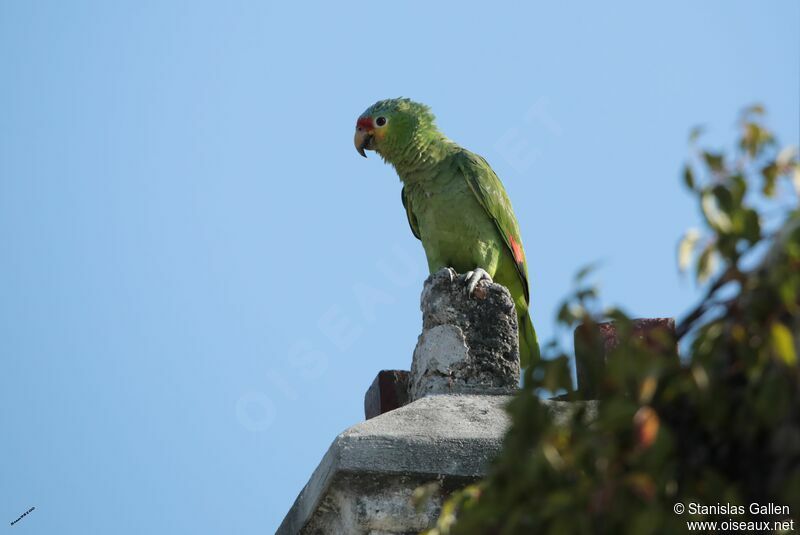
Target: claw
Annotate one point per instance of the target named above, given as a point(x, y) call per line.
point(472, 278)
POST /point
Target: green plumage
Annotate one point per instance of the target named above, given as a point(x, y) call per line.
point(455, 203)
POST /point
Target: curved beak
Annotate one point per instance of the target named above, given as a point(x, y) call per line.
point(362, 140)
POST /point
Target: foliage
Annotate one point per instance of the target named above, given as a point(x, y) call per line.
point(721, 425)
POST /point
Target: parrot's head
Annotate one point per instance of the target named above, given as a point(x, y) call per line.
point(390, 127)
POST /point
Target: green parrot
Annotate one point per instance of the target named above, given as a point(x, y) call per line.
point(455, 204)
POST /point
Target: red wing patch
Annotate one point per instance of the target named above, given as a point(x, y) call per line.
point(516, 249)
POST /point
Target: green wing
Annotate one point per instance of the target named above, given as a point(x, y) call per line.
point(412, 219)
point(492, 196)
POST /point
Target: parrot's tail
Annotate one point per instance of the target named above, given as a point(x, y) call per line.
point(528, 343)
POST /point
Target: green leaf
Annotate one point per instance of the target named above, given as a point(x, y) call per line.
point(755, 138)
point(796, 179)
point(718, 219)
point(585, 271)
point(557, 375)
point(738, 188)
point(783, 343)
point(423, 494)
point(688, 177)
point(566, 314)
point(706, 263)
point(770, 174)
point(724, 198)
point(586, 293)
point(686, 248)
point(752, 226)
point(715, 161)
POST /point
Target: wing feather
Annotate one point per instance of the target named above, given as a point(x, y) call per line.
point(492, 196)
point(412, 219)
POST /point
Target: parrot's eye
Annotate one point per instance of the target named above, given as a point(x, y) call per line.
point(380, 121)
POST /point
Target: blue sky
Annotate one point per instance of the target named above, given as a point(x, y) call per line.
point(200, 277)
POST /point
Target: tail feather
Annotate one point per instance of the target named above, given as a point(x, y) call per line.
point(528, 343)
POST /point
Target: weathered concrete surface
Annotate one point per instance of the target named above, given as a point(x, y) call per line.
point(364, 483)
point(464, 370)
point(436, 437)
point(468, 344)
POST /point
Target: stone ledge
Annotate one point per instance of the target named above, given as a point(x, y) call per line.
point(358, 486)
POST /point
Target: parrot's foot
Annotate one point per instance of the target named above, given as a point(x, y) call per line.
point(472, 278)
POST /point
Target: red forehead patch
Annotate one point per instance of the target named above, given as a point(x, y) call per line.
point(365, 123)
